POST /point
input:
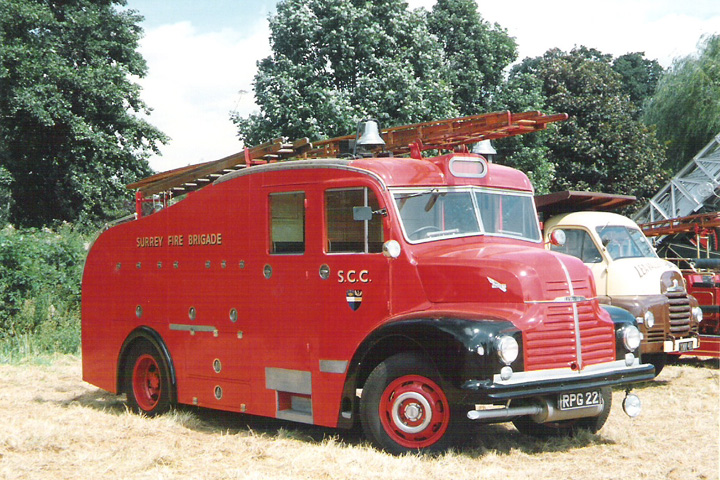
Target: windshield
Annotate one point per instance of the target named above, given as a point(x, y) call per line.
point(439, 213)
point(625, 242)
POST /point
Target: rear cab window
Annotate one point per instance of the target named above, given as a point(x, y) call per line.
point(287, 223)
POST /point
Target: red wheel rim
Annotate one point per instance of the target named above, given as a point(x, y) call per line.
point(146, 381)
point(414, 411)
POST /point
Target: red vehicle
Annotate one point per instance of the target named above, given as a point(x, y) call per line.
point(692, 243)
point(409, 294)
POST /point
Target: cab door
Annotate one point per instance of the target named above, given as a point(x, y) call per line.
point(353, 276)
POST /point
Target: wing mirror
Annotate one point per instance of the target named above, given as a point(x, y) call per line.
point(558, 238)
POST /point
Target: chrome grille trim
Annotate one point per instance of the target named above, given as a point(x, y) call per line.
point(576, 319)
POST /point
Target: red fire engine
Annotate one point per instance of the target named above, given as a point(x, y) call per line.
point(409, 294)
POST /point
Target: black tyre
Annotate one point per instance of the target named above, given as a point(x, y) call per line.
point(147, 380)
point(404, 408)
point(567, 427)
point(657, 359)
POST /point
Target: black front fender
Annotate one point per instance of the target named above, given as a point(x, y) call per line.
point(459, 349)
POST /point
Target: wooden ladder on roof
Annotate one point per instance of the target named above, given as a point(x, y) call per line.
point(450, 134)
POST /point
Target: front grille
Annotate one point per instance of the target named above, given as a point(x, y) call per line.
point(680, 313)
point(655, 336)
point(552, 343)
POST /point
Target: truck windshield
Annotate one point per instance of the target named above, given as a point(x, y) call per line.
point(625, 242)
point(440, 213)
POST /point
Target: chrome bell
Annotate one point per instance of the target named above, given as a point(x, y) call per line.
point(371, 135)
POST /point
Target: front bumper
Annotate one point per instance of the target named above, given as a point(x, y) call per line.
point(681, 345)
point(551, 382)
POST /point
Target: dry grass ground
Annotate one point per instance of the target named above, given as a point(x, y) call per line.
point(54, 426)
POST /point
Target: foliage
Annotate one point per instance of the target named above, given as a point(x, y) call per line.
point(639, 76)
point(69, 135)
point(520, 93)
point(6, 201)
point(335, 62)
point(40, 276)
point(601, 147)
point(476, 53)
point(686, 107)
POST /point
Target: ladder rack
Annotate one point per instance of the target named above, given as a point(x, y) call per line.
point(450, 134)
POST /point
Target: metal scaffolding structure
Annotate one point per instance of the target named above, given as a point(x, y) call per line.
point(694, 189)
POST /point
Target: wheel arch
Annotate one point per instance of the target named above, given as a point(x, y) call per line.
point(153, 337)
point(453, 340)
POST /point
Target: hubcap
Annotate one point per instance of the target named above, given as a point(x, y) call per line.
point(411, 412)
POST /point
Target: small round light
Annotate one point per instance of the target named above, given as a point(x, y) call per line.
point(629, 359)
point(698, 314)
point(506, 372)
point(391, 249)
point(649, 319)
point(631, 337)
point(480, 350)
point(508, 349)
point(632, 405)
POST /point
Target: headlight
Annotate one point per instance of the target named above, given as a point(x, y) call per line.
point(698, 314)
point(631, 337)
point(508, 349)
point(649, 319)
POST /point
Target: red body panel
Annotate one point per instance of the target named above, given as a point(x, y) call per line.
point(183, 271)
point(705, 287)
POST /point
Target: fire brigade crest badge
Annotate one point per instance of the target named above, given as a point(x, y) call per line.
point(354, 298)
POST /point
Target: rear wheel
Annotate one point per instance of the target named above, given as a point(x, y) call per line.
point(147, 376)
point(404, 408)
point(567, 427)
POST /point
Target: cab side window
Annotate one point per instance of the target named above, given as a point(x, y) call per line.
point(343, 233)
point(579, 244)
point(287, 222)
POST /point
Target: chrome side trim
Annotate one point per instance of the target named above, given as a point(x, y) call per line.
point(292, 381)
point(333, 366)
point(194, 328)
point(566, 373)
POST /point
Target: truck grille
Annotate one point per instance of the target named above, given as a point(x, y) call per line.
point(552, 343)
point(680, 313)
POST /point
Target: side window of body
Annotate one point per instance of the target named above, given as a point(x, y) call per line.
point(287, 223)
point(343, 233)
point(579, 244)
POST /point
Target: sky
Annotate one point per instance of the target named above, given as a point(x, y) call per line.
point(202, 55)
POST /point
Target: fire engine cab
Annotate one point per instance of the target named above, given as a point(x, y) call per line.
point(408, 294)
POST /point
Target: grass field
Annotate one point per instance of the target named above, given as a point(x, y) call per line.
point(55, 426)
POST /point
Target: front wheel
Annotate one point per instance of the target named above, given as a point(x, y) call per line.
point(148, 385)
point(567, 427)
point(404, 408)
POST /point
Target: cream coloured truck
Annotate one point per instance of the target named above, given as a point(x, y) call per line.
point(627, 271)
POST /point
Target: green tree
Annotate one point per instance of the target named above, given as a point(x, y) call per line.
point(520, 93)
point(639, 76)
point(476, 53)
point(69, 135)
point(686, 106)
point(335, 62)
point(5, 195)
point(601, 147)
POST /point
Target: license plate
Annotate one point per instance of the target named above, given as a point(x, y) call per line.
point(685, 346)
point(570, 401)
